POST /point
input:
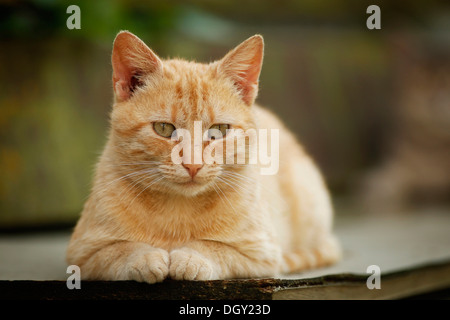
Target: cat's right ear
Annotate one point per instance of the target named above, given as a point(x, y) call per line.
point(243, 66)
point(131, 61)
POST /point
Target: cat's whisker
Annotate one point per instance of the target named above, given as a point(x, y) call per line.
point(133, 163)
point(237, 183)
point(239, 176)
point(153, 182)
point(250, 180)
point(243, 184)
point(128, 190)
point(227, 183)
point(104, 186)
point(226, 198)
point(215, 186)
point(245, 188)
point(131, 186)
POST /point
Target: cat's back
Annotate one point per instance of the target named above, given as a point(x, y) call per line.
point(288, 143)
point(298, 189)
point(266, 119)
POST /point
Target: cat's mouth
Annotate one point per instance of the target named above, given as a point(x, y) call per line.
point(194, 185)
point(178, 180)
point(191, 187)
point(187, 183)
point(190, 183)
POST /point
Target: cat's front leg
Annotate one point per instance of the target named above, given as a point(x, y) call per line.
point(126, 260)
point(212, 260)
point(189, 264)
point(147, 264)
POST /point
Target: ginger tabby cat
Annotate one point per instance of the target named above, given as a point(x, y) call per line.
point(148, 218)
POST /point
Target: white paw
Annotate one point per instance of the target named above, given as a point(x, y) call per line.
point(148, 265)
point(188, 264)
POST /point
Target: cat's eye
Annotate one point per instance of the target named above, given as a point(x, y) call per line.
point(218, 131)
point(164, 129)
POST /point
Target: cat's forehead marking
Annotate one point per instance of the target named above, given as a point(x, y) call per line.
point(173, 113)
point(190, 90)
point(192, 95)
point(179, 91)
point(211, 113)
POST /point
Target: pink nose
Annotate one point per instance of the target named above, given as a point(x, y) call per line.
point(193, 169)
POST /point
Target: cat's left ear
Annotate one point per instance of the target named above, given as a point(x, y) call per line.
point(131, 60)
point(243, 65)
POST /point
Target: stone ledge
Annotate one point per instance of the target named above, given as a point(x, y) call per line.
point(394, 285)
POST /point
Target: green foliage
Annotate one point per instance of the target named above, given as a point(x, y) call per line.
point(100, 19)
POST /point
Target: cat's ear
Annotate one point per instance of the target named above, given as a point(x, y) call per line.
point(131, 60)
point(243, 65)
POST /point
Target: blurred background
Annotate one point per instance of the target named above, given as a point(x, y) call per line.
point(371, 106)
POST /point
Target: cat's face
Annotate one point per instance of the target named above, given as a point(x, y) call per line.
point(155, 97)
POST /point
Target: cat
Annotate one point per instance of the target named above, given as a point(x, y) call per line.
point(148, 219)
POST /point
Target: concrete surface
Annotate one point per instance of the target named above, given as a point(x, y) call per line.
point(392, 242)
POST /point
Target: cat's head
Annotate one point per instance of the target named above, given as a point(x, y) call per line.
point(154, 97)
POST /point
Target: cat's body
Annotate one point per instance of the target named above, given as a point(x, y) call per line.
point(148, 219)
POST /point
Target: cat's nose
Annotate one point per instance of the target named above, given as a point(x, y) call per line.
point(193, 169)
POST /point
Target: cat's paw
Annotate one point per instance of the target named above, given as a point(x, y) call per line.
point(188, 264)
point(148, 264)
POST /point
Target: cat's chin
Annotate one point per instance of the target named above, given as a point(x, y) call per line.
point(189, 188)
